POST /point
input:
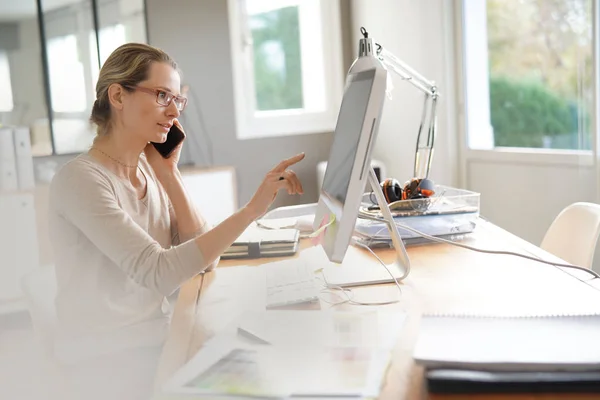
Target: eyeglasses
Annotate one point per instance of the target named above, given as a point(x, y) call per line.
point(163, 97)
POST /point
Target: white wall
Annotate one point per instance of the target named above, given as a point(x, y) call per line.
point(416, 33)
point(525, 198)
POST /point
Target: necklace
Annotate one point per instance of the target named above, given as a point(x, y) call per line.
point(114, 159)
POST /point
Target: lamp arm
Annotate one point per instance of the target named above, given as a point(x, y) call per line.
point(425, 142)
point(406, 72)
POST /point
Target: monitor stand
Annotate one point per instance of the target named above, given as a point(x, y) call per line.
point(358, 275)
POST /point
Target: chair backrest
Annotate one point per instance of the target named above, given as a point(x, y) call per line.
point(39, 288)
point(573, 234)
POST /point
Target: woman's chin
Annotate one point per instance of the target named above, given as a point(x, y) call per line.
point(159, 138)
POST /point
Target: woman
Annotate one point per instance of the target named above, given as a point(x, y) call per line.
point(124, 231)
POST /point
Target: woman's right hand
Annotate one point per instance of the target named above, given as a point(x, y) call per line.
point(278, 178)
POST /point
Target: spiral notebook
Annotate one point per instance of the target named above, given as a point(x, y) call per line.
point(528, 343)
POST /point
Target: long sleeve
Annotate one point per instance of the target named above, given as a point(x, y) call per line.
point(176, 237)
point(87, 199)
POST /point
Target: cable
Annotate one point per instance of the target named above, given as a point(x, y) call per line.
point(500, 252)
point(334, 287)
point(203, 130)
point(360, 303)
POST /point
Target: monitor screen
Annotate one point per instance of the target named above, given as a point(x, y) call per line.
point(347, 134)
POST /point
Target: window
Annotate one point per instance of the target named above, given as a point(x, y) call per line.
point(287, 66)
point(66, 73)
point(6, 99)
point(529, 73)
point(110, 38)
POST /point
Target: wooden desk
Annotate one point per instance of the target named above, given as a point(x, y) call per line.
point(444, 279)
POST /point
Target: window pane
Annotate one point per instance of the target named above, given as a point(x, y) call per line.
point(6, 97)
point(67, 81)
point(540, 72)
point(110, 38)
point(68, 49)
point(124, 16)
point(277, 57)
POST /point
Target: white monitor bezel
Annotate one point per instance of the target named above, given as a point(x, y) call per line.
point(338, 235)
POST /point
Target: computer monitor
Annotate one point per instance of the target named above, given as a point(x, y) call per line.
point(350, 157)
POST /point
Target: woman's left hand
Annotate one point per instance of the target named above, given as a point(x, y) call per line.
point(160, 164)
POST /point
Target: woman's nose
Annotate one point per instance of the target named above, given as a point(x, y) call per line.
point(173, 110)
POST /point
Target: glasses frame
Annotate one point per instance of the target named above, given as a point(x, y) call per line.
point(171, 97)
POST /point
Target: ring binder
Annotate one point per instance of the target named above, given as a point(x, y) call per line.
point(257, 243)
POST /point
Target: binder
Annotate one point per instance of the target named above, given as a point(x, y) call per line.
point(467, 381)
point(8, 169)
point(255, 242)
point(467, 354)
point(23, 158)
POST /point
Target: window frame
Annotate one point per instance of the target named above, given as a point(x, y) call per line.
point(481, 146)
point(252, 124)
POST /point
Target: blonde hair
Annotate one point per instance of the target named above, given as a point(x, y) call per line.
point(128, 65)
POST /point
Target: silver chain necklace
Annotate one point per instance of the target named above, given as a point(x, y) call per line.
point(114, 159)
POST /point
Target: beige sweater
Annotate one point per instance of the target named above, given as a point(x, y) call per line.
point(117, 257)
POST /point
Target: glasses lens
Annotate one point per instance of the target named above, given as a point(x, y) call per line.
point(164, 98)
point(180, 103)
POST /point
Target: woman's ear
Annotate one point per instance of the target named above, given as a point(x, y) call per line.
point(115, 95)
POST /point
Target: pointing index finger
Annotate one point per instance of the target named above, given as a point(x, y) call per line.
point(283, 165)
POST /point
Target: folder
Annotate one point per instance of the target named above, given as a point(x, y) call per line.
point(8, 169)
point(23, 158)
point(255, 242)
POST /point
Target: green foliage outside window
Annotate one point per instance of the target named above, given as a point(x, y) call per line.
point(540, 62)
point(277, 59)
point(525, 113)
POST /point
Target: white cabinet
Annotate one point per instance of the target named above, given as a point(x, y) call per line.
point(212, 190)
point(18, 243)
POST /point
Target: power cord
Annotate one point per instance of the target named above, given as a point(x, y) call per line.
point(500, 252)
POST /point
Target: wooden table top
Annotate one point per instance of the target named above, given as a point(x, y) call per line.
point(443, 279)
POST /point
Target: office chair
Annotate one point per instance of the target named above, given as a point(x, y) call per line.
point(573, 234)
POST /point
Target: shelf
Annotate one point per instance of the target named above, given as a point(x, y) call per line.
point(12, 306)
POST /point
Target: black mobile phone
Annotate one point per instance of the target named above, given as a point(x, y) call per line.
point(174, 137)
